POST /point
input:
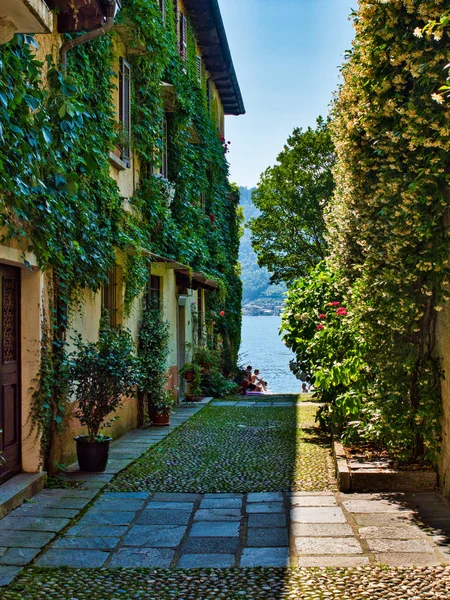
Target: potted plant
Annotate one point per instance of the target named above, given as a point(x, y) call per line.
point(195, 375)
point(191, 372)
point(206, 358)
point(102, 374)
point(160, 409)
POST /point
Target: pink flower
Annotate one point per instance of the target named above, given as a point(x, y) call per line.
point(320, 326)
point(334, 303)
point(322, 316)
point(341, 312)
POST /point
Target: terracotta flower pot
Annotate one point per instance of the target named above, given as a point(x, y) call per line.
point(189, 376)
point(193, 398)
point(160, 419)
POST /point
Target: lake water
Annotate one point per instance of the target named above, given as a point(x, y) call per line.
point(263, 349)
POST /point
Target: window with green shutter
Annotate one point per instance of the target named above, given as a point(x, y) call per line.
point(125, 109)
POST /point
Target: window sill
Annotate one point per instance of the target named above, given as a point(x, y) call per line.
point(117, 162)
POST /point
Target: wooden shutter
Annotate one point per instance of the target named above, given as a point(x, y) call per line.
point(208, 95)
point(154, 291)
point(125, 108)
point(199, 68)
point(109, 296)
point(165, 153)
point(183, 37)
point(162, 6)
point(176, 13)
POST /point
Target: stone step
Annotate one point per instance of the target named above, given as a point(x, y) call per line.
point(19, 488)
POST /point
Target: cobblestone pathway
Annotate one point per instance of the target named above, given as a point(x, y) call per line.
point(200, 543)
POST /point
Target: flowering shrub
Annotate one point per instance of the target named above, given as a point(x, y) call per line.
point(328, 348)
point(388, 222)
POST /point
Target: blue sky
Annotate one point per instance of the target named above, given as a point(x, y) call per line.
point(286, 54)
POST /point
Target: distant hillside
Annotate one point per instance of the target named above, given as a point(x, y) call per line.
point(259, 296)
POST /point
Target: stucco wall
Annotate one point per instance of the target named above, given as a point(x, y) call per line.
point(443, 350)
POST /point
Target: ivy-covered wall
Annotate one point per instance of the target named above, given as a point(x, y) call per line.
point(60, 202)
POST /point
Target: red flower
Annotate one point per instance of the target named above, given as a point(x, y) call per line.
point(320, 326)
point(322, 316)
point(334, 303)
point(212, 218)
point(341, 312)
point(222, 313)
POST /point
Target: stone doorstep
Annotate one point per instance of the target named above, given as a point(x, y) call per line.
point(357, 477)
point(19, 488)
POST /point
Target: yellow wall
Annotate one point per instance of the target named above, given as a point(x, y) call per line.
point(443, 350)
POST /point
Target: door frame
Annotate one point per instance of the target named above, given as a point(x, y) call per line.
point(4, 268)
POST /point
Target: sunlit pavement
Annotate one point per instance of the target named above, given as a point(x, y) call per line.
point(259, 544)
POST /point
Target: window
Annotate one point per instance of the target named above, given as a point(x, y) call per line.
point(110, 296)
point(165, 152)
point(183, 37)
point(176, 14)
point(199, 69)
point(200, 315)
point(125, 109)
point(162, 6)
point(208, 95)
point(203, 202)
point(154, 291)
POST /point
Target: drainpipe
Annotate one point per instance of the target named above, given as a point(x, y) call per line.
point(91, 35)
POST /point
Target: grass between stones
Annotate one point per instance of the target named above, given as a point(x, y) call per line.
point(232, 584)
point(236, 449)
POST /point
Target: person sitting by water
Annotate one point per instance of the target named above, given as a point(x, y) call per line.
point(247, 379)
point(304, 388)
point(256, 380)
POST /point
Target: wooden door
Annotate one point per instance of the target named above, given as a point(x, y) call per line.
point(10, 399)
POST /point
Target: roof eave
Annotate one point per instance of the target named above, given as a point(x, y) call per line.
point(228, 81)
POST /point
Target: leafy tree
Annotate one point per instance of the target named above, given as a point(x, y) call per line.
point(288, 236)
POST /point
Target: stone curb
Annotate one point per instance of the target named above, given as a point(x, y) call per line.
point(378, 480)
point(18, 489)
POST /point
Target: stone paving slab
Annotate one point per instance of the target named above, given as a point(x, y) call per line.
point(218, 514)
point(317, 514)
point(265, 557)
point(32, 524)
point(199, 545)
point(18, 556)
point(142, 557)
point(196, 561)
point(154, 536)
point(25, 539)
point(7, 574)
point(327, 545)
point(73, 558)
point(87, 543)
point(215, 529)
point(221, 503)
